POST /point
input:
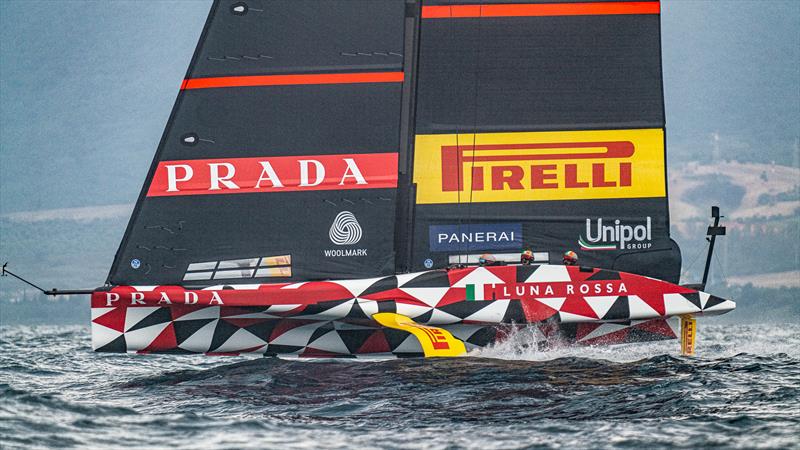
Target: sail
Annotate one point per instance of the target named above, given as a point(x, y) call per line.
point(279, 160)
point(541, 125)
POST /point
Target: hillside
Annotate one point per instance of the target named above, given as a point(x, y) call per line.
point(761, 205)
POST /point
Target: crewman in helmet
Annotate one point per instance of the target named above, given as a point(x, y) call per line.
point(570, 258)
point(487, 259)
point(527, 257)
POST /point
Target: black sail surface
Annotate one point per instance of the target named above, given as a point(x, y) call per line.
point(312, 89)
point(541, 125)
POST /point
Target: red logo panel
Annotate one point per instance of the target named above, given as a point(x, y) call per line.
point(274, 174)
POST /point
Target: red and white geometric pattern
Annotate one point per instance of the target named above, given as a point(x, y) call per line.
point(334, 318)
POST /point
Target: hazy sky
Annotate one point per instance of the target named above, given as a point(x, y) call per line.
point(86, 87)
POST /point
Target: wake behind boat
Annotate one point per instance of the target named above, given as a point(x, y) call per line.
point(387, 145)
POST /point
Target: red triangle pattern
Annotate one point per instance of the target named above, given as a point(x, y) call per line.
point(506, 273)
point(375, 343)
point(114, 319)
point(164, 341)
point(453, 295)
point(616, 337)
point(285, 325)
point(179, 311)
point(655, 301)
point(577, 305)
point(658, 326)
point(314, 353)
point(584, 329)
point(457, 274)
point(391, 294)
point(536, 311)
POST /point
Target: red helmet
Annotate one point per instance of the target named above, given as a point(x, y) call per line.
point(570, 257)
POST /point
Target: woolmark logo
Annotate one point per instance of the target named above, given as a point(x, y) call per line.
point(345, 229)
point(618, 236)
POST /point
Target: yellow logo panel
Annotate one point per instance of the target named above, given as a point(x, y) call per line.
point(434, 341)
point(535, 166)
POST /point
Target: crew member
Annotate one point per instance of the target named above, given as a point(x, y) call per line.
point(527, 257)
point(570, 258)
point(487, 259)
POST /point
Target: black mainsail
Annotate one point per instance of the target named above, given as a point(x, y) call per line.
point(289, 117)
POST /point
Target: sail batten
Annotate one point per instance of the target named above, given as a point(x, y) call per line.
point(293, 79)
point(539, 9)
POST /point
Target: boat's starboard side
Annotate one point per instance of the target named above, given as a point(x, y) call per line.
point(330, 318)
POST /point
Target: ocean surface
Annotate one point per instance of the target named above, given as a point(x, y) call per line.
point(743, 390)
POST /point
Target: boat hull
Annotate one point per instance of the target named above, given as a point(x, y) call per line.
point(479, 306)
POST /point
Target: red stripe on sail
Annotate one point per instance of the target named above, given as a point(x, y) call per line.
point(540, 9)
point(293, 80)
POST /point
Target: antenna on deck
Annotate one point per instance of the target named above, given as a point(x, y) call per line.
point(52, 292)
point(712, 233)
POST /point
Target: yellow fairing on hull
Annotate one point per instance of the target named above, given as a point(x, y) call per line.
point(435, 342)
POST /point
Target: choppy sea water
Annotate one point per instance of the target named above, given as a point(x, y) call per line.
point(742, 391)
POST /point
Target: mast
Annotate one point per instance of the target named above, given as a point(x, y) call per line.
point(404, 231)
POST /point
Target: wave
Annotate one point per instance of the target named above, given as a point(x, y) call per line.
point(742, 391)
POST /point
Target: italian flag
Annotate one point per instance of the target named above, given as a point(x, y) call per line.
point(475, 292)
